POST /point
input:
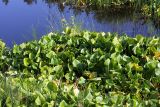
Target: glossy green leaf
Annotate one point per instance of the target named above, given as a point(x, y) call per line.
point(63, 104)
point(26, 61)
point(158, 65)
point(89, 97)
point(81, 80)
point(137, 50)
point(107, 62)
point(51, 54)
point(157, 71)
point(38, 101)
point(99, 99)
point(151, 64)
point(76, 63)
point(52, 86)
point(58, 68)
point(16, 49)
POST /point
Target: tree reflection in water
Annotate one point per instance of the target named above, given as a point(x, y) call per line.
point(102, 16)
point(30, 1)
point(105, 15)
point(5, 1)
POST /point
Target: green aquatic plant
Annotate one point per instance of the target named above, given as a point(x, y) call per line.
point(151, 5)
point(82, 69)
point(2, 47)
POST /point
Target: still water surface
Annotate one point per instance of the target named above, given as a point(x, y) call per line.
point(24, 20)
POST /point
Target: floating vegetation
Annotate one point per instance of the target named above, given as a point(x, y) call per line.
point(81, 69)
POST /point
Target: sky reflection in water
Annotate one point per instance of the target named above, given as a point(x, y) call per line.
point(26, 20)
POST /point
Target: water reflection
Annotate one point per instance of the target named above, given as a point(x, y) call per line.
point(5, 1)
point(19, 18)
point(106, 15)
point(30, 1)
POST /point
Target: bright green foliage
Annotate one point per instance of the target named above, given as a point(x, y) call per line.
point(80, 70)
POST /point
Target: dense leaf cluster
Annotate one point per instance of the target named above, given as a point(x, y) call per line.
point(81, 69)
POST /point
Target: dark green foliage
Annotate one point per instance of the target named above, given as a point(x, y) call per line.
point(82, 69)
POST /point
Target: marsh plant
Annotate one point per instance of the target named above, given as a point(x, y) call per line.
point(81, 69)
point(153, 6)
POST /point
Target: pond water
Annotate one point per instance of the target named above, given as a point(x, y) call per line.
point(24, 20)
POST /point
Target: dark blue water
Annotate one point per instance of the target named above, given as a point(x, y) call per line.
point(26, 20)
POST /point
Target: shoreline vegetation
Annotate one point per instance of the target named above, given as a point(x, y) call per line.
point(81, 69)
point(150, 9)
